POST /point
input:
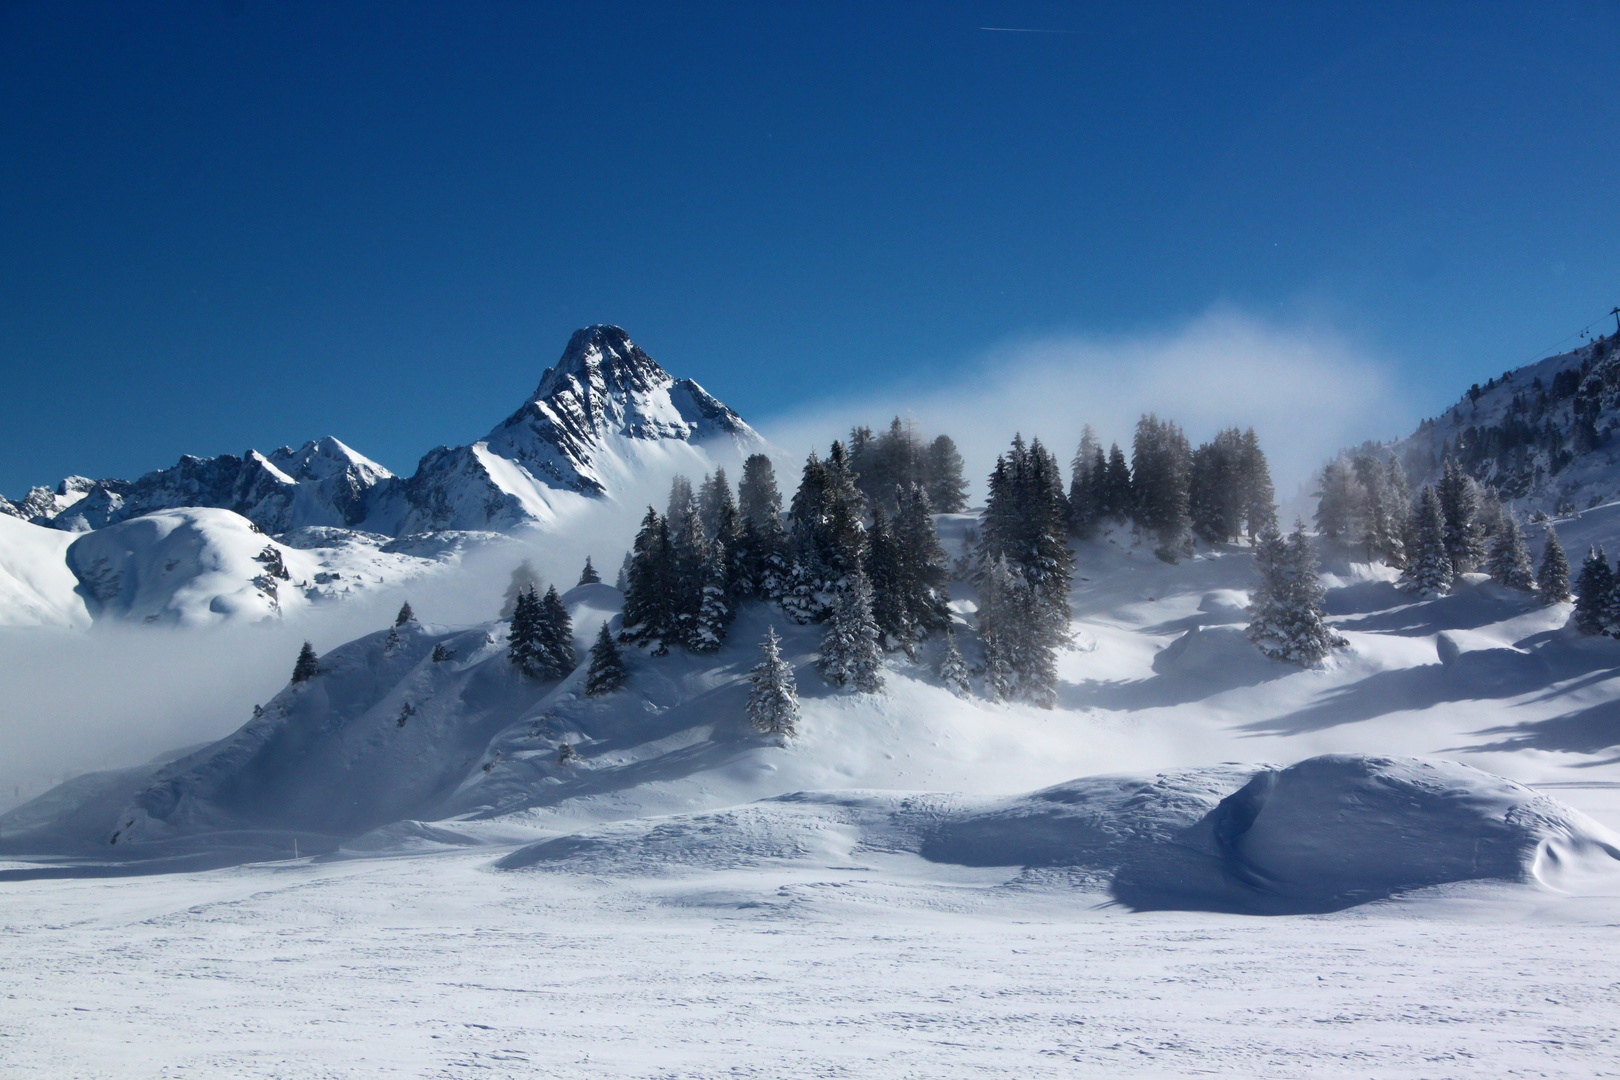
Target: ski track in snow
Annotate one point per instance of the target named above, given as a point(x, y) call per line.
point(436, 966)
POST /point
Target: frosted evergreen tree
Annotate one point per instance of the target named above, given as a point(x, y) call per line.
point(1399, 509)
point(405, 615)
point(850, 654)
point(1428, 567)
point(441, 654)
point(707, 630)
point(773, 701)
point(761, 554)
point(622, 581)
point(1552, 582)
point(589, 576)
point(953, 670)
point(716, 506)
point(524, 578)
point(1286, 621)
point(828, 535)
point(606, 673)
point(1594, 593)
point(947, 486)
point(924, 566)
point(888, 587)
point(1083, 484)
point(1161, 466)
point(306, 667)
point(1259, 496)
point(1002, 627)
point(525, 639)
point(682, 504)
point(1459, 503)
point(556, 649)
point(1341, 501)
point(650, 615)
point(1509, 563)
point(1117, 495)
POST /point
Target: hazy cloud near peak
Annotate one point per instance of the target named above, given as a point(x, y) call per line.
point(1306, 390)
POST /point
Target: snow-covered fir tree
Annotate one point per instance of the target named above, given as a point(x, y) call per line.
point(1286, 621)
point(682, 504)
point(946, 484)
point(1594, 593)
point(716, 507)
point(1116, 495)
point(441, 654)
point(1552, 580)
point(953, 670)
point(524, 578)
point(1428, 567)
point(888, 591)
point(761, 555)
point(405, 615)
point(1229, 488)
point(650, 590)
point(1459, 504)
point(828, 535)
point(707, 630)
point(1005, 621)
point(525, 639)
point(307, 666)
point(1161, 465)
point(924, 566)
point(606, 673)
point(1084, 480)
point(1509, 563)
point(556, 649)
point(850, 650)
point(589, 576)
point(773, 700)
point(1340, 501)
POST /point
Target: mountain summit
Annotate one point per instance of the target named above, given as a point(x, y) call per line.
point(606, 413)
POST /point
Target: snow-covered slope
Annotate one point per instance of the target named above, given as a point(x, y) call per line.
point(36, 586)
point(1160, 686)
point(197, 566)
point(1543, 434)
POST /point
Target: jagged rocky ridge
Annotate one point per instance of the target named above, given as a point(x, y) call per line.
point(592, 417)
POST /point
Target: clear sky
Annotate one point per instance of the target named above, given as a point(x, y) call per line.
point(247, 223)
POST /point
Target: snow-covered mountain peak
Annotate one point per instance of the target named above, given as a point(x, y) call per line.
point(602, 358)
point(321, 458)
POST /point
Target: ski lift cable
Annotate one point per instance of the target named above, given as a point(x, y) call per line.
point(1543, 353)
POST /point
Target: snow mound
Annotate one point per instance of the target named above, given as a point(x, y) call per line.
point(1326, 833)
point(186, 567)
point(1212, 652)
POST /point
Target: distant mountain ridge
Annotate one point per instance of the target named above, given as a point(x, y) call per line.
point(1542, 435)
point(592, 417)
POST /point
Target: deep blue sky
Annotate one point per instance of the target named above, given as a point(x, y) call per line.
point(244, 223)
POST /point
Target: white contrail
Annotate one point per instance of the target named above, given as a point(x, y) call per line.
point(1025, 30)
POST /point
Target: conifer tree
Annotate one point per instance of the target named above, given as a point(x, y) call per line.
point(758, 499)
point(1003, 620)
point(716, 506)
point(953, 671)
point(1510, 557)
point(1161, 463)
point(924, 566)
point(850, 653)
point(306, 667)
point(556, 648)
point(589, 576)
point(1594, 593)
point(606, 673)
point(441, 654)
point(524, 578)
point(1341, 502)
point(1117, 498)
point(526, 637)
point(714, 611)
point(405, 615)
point(761, 554)
point(1428, 568)
point(682, 504)
point(651, 593)
point(1259, 497)
point(1459, 503)
point(1084, 484)
point(888, 588)
point(947, 486)
point(1552, 583)
point(773, 701)
point(1286, 621)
